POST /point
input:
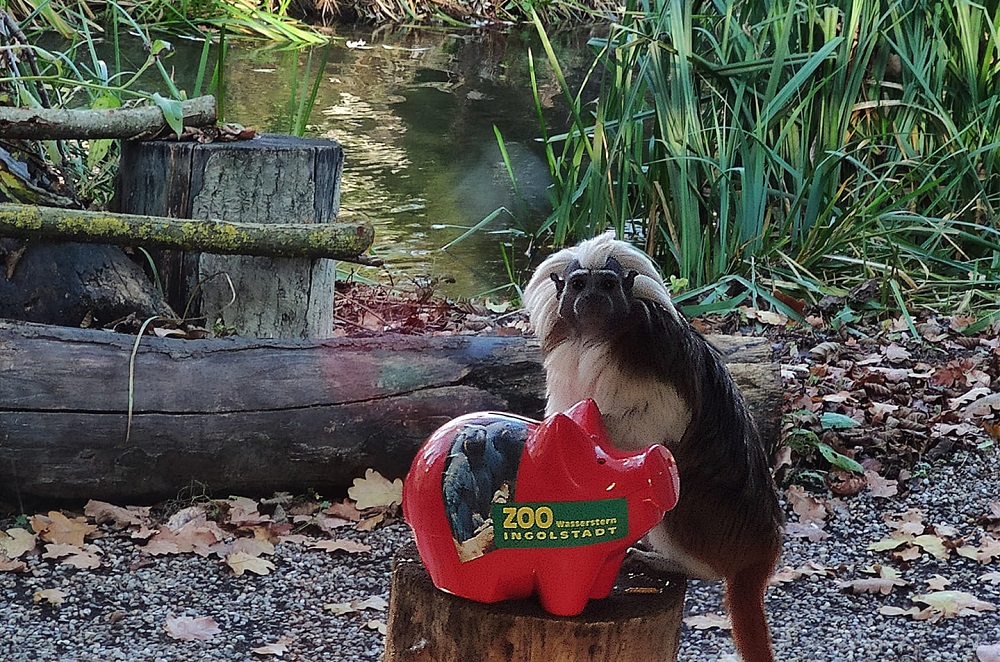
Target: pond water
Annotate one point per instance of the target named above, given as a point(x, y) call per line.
point(415, 112)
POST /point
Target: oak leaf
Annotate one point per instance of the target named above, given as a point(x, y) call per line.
point(52, 596)
point(375, 490)
point(12, 566)
point(15, 542)
point(806, 506)
point(937, 583)
point(278, 648)
point(106, 513)
point(241, 562)
point(950, 604)
point(187, 628)
point(378, 626)
point(879, 486)
point(341, 545)
point(708, 621)
point(884, 583)
point(243, 512)
point(988, 653)
point(59, 529)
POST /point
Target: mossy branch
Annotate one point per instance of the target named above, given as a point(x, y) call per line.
point(345, 239)
point(65, 124)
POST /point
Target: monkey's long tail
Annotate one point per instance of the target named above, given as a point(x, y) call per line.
point(745, 595)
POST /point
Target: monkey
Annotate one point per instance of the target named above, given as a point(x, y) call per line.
point(482, 458)
point(466, 482)
point(609, 331)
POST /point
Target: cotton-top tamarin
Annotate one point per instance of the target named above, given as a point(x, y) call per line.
point(608, 331)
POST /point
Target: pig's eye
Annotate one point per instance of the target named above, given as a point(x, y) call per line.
point(600, 460)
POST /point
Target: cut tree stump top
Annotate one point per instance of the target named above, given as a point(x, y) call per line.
point(639, 622)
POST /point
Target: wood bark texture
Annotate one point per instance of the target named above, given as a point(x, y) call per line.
point(271, 179)
point(428, 625)
point(253, 416)
point(73, 284)
point(344, 240)
point(65, 124)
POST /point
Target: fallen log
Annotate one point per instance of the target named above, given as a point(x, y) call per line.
point(341, 240)
point(251, 416)
point(90, 124)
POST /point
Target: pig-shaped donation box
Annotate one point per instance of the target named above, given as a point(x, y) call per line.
point(504, 507)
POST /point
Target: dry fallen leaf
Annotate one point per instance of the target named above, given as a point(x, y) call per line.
point(811, 530)
point(932, 545)
point(378, 626)
point(15, 542)
point(243, 511)
point(879, 486)
point(942, 604)
point(375, 490)
point(806, 506)
point(102, 513)
point(52, 596)
point(341, 545)
point(86, 557)
point(186, 628)
point(884, 583)
point(708, 621)
point(357, 604)
point(991, 577)
point(937, 583)
point(12, 566)
point(988, 653)
point(277, 649)
point(241, 562)
point(59, 529)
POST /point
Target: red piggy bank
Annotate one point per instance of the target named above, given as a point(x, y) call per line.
point(504, 507)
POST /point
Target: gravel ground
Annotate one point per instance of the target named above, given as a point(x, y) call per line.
point(117, 612)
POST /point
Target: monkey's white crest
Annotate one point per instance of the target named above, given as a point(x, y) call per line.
point(540, 296)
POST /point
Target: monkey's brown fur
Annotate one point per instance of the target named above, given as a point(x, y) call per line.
point(609, 332)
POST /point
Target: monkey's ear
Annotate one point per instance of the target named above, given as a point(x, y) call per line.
point(560, 283)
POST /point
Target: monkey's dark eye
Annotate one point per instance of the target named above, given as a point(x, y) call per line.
point(608, 284)
point(578, 284)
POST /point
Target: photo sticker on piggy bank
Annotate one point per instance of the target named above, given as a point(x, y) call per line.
point(481, 470)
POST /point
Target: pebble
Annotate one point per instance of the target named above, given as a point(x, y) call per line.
point(113, 613)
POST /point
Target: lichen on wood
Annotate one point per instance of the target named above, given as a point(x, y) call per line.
point(345, 239)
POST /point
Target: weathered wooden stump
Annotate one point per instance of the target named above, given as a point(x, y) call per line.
point(270, 179)
point(428, 625)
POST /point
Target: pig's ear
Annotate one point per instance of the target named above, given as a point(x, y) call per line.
point(559, 440)
point(587, 414)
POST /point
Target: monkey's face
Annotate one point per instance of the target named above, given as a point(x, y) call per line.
point(595, 301)
point(593, 290)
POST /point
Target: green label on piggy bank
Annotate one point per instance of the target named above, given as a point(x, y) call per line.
point(559, 523)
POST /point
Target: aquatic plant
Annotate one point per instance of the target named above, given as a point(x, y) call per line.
point(795, 146)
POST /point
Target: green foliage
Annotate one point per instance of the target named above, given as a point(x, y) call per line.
point(75, 76)
point(796, 145)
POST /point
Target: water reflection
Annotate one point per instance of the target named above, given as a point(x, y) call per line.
point(415, 112)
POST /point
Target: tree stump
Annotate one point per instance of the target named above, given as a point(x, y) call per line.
point(270, 179)
point(639, 622)
point(71, 284)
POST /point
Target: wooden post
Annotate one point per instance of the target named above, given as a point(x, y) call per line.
point(428, 625)
point(271, 179)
